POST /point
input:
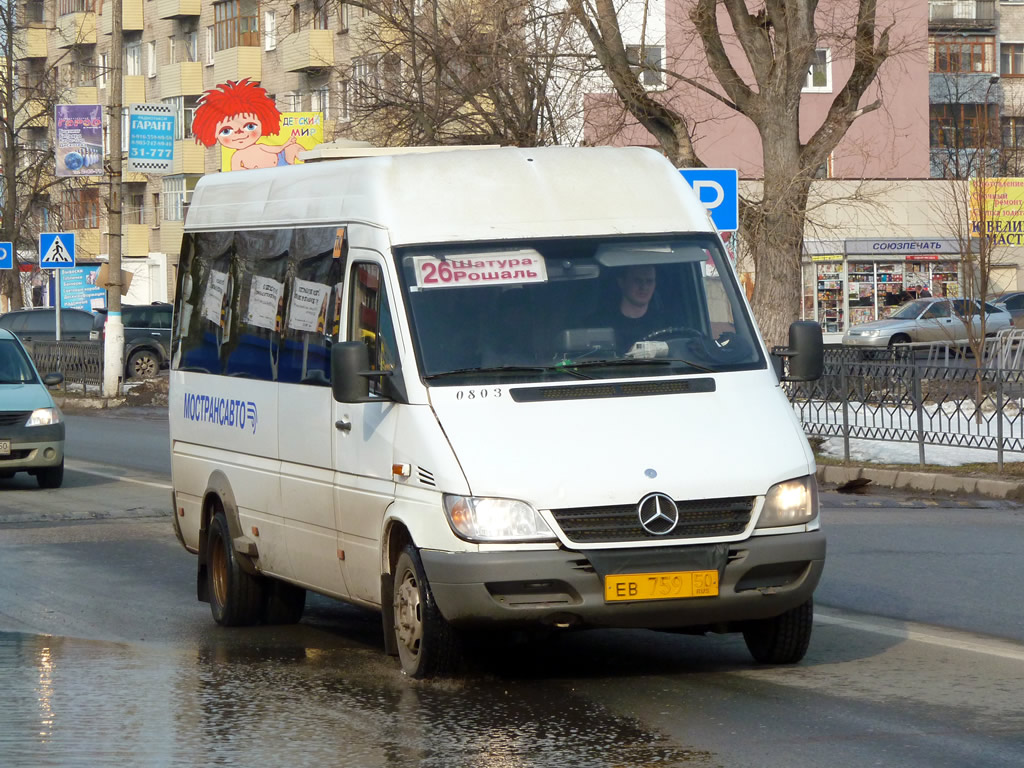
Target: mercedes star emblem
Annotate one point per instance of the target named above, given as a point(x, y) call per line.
point(658, 514)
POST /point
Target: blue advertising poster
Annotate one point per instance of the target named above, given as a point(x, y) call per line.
point(79, 150)
point(78, 289)
point(150, 138)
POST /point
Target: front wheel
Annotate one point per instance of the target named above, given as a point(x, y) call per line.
point(427, 645)
point(236, 597)
point(143, 364)
point(50, 477)
point(783, 639)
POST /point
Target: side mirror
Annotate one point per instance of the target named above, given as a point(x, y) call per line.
point(806, 352)
point(349, 363)
point(53, 379)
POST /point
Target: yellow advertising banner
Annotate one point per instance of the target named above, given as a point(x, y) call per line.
point(299, 131)
point(997, 206)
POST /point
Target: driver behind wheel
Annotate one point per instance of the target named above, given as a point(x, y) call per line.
point(637, 312)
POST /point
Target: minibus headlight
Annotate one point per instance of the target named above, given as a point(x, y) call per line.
point(793, 502)
point(488, 520)
point(42, 417)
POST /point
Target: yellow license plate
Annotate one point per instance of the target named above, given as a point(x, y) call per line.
point(5, 447)
point(660, 586)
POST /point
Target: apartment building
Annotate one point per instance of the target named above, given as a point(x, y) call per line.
point(174, 50)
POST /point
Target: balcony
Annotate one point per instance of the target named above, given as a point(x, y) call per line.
point(87, 243)
point(85, 94)
point(74, 29)
point(182, 79)
point(961, 14)
point(170, 237)
point(134, 89)
point(131, 16)
point(310, 49)
point(177, 9)
point(30, 43)
point(35, 114)
point(135, 240)
point(236, 63)
point(189, 157)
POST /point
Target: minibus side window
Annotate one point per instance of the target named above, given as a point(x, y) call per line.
point(370, 320)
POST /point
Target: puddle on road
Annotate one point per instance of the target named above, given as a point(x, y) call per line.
point(75, 703)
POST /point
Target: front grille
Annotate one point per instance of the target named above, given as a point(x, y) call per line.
point(14, 418)
point(698, 519)
point(16, 455)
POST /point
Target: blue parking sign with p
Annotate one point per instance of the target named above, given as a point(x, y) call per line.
point(718, 190)
point(6, 256)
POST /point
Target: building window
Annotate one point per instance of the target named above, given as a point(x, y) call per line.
point(1013, 132)
point(156, 210)
point(177, 193)
point(65, 7)
point(321, 101)
point(365, 79)
point(236, 23)
point(321, 14)
point(80, 208)
point(651, 65)
point(209, 46)
point(191, 40)
point(962, 54)
point(819, 73)
point(102, 70)
point(151, 58)
point(170, 51)
point(135, 208)
point(184, 112)
point(290, 102)
point(1011, 59)
point(343, 17)
point(344, 114)
point(961, 126)
point(296, 18)
point(269, 31)
point(133, 59)
point(34, 12)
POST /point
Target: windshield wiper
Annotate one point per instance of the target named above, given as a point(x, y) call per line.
point(509, 369)
point(625, 361)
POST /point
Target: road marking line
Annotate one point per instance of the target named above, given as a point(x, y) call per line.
point(122, 478)
point(1003, 649)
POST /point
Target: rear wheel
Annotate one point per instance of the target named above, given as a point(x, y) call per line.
point(236, 597)
point(427, 645)
point(51, 477)
point(143, 364)
point(783, 639)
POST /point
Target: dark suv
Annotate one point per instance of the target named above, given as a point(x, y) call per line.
point(40, 324)
point(147, 337)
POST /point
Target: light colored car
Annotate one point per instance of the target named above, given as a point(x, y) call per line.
point(31, 424)
point(935, 320)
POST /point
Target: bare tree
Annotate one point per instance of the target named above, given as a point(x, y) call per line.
point(756, 58)
point(465, 72)
point(29, 89)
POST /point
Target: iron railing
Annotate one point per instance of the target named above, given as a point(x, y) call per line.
point(81, 362)
point(931, 395)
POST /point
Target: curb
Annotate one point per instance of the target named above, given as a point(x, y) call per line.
point(88, 403)
point(928, 482)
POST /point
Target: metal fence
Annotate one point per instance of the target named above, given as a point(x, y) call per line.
point(931, 395)
point(81, 362)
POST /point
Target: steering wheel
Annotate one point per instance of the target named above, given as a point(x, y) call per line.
point(672, 330)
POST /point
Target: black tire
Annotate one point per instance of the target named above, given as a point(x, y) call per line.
point(236, 597)
point(143, 364)
point(51, 477)
point(284, 604)
point(427, 645)
point(782, 640)
point(899, 338)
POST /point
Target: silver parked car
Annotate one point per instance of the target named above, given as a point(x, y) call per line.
point(936, 320)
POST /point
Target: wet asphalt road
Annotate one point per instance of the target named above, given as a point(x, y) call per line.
point(107, 659)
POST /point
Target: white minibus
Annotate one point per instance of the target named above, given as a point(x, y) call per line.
point(486, 390)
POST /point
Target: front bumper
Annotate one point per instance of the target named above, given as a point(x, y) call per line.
point(32, 447)
point(764, 576)
point(867, 341)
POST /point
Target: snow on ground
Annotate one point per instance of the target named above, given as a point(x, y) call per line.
point(890, 452)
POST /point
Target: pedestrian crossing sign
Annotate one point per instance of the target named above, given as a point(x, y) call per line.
point(56, 250)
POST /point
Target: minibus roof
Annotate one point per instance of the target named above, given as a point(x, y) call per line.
point(434, 197)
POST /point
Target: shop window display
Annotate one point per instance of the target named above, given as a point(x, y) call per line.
point(830, 296)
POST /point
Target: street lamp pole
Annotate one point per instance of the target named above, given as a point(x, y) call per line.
point(113, 345)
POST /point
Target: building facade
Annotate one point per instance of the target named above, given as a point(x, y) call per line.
point(174, 50)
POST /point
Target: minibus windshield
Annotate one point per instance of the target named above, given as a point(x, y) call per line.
point(558, 309)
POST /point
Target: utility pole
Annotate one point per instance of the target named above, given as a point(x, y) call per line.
point(113, 345)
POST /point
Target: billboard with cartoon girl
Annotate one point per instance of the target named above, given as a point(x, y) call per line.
point(252, 133)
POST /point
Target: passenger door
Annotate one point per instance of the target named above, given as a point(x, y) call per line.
point(364, 432)
point(938, 323)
